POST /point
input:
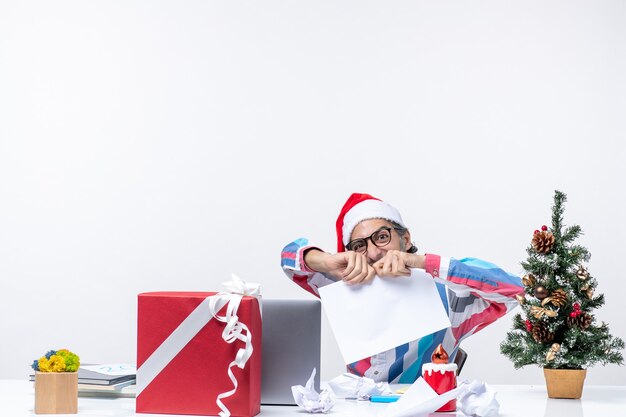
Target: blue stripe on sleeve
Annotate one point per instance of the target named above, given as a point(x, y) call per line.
point(288, 262)
point(398, 364)
point(425, 348)
point(296, 245)
point(465, 268)
point(293, 248)
point(443, 295)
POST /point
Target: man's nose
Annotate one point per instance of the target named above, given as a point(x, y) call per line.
point(374, 253)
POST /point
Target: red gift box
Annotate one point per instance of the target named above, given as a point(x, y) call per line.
point(182, 363)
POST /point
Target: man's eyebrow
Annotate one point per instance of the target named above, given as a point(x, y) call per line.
point(377, 230)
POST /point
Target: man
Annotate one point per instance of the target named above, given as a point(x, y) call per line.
point(373, 240)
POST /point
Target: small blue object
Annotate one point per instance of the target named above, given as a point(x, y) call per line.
point(384, 398)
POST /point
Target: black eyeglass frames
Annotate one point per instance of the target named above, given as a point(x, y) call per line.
point(379, 238)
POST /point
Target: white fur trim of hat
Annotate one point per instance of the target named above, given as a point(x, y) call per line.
point(366, 210)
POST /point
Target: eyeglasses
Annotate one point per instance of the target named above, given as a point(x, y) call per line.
point(379, 238)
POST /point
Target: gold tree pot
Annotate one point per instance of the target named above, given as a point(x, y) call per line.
point(56, 392)
point(565, 383)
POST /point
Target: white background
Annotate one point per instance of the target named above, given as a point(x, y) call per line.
point(162, 145)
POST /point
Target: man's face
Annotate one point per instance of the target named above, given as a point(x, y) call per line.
point(366, 228)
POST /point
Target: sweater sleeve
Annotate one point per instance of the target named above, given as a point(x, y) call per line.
point(292, 262)
point(479, 292)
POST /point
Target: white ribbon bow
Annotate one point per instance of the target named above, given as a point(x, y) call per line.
point(239, 286)
point(234, 329)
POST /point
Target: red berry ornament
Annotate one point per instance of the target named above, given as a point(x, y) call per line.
point(529, 326)
point(573, 314)
point(535, 232)
point(544, 227)
point(576, 306)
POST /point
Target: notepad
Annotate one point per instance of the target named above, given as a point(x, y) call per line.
point(103, 374)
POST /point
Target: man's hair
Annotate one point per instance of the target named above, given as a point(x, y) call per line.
point(402, 231)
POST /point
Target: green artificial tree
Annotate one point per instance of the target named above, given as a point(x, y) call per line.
point(559, 330)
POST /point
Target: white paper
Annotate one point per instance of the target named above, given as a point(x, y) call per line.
point(388, 312)
point(419, 399)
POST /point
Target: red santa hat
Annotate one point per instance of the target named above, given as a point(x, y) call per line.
point(361, 207)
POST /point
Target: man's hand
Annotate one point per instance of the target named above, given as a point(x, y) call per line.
point(396, 263)
point(350, 267)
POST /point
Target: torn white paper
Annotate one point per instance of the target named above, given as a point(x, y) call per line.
point(307, 398)
point(388, 312)
point(419, 399)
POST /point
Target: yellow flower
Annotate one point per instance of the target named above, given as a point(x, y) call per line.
point(44, 364)
point(56, 363)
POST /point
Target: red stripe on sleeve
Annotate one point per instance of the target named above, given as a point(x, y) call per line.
point(480, 320)
point(362, 366)
point(508, 290)
point(302, 281)
point(432, 264)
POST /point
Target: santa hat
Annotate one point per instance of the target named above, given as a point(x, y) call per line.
point(361, 207)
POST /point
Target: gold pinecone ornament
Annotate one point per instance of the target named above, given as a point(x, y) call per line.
point(541, 334)
point(557, 298)
point(543, 241)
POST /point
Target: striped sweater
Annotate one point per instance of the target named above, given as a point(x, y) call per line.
point(475, 293)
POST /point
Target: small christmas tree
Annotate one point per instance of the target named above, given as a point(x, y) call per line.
point(559, 331)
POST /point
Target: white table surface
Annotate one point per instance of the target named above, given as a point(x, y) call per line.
point(17, 399)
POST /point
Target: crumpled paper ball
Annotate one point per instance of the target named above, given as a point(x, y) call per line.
point(475, 400)
point(361, 388)
point(307, 398)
